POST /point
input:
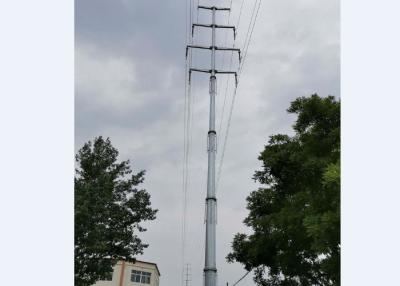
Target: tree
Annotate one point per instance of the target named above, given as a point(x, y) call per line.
point(295, 216)
point(108, 211)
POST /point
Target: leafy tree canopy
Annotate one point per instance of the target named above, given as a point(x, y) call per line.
point(108, 211)
point(295, 217)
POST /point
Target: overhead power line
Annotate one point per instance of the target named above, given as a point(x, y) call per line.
point(186, 135)
point(246, 45)
point(252, 20)
point(230, 67)
point(226, 35)
point(241, 278)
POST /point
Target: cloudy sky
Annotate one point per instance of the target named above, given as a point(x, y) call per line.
point(129, 86)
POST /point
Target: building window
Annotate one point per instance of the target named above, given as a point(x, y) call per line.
point(146, 277)
point(135, 276)
point(140, 276)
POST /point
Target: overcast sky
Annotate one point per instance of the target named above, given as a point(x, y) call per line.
point(129, 85)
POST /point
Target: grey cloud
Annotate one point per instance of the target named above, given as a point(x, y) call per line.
point(133, 28)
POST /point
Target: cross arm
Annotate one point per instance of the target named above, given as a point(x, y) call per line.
point(213, 8)
point(197, 47)
point(229, 72)
point(230, 49)
point(210, 71)
point(197, 70)
point(215, 26)
point(211, 47)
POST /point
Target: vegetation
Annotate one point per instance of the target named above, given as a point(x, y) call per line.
point(295, 216)
point(108, 211)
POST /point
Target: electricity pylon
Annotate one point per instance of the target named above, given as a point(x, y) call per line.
point(210, 267)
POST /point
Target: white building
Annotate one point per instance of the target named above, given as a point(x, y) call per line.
point(140, 273)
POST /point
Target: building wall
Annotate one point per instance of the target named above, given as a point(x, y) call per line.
point(140, 266)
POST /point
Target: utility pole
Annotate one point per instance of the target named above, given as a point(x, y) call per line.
point(210, 267)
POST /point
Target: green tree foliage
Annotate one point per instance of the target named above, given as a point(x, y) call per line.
point(108, 211)
point(295, 217)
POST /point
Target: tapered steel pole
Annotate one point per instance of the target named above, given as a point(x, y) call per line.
point(210, 267)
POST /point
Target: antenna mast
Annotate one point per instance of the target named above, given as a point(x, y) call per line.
point(210, 267)
point(187, 280)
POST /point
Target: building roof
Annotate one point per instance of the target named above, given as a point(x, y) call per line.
point(151, 263)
